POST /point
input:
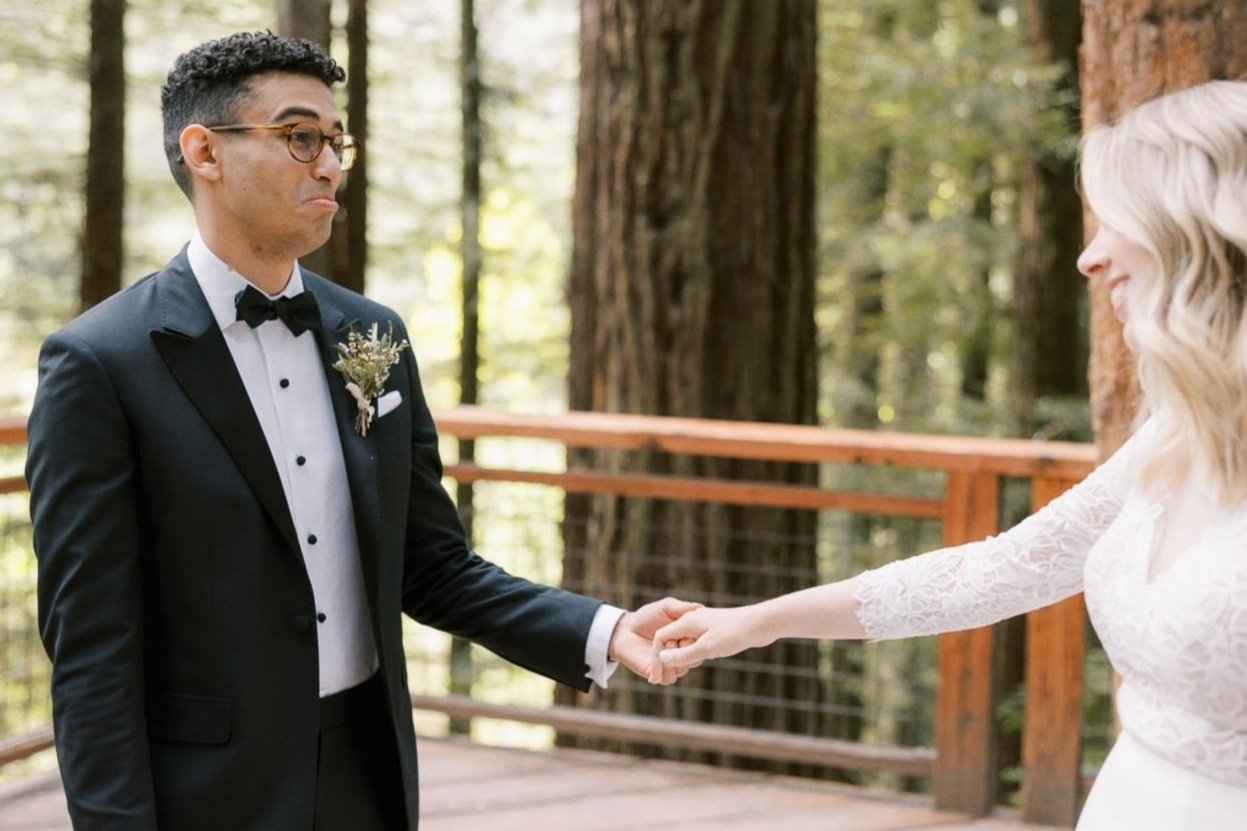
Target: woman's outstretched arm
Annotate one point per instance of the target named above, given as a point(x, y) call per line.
point(825, 612)
point(1039, 562)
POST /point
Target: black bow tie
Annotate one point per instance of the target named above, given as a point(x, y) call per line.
point(299, 313)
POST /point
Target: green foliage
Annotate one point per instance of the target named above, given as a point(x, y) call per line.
point(529, 71)
point(929, 111)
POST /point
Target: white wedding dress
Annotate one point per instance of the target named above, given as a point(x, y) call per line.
point(1178, 637)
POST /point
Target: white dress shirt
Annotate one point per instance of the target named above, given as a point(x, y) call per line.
point(285, 379)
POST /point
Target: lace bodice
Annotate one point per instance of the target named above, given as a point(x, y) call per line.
point(1178, 639)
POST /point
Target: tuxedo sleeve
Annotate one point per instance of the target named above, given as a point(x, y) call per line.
point(81, 470)
point(448, 586)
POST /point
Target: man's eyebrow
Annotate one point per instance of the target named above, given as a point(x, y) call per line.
point(304, 112)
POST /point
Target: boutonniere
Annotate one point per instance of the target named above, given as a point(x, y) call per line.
point(365, 363)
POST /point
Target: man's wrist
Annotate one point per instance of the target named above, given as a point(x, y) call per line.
point(600, 666)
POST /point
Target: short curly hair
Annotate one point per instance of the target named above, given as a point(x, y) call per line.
point(207, 83)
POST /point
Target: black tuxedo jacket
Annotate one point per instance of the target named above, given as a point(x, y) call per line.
point(173, 599)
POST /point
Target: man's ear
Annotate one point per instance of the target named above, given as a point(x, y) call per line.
point(199, 148)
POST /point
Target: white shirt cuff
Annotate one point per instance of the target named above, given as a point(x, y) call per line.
point(597, 647)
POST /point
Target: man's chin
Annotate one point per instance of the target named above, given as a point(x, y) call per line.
point(314, 242)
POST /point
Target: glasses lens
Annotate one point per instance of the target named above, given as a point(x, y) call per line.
point(345, 148)
point(305, 142)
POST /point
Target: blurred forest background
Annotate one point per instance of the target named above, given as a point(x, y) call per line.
point(852, 213)
point(930, 117)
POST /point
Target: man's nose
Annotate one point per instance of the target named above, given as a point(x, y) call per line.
point(328, 166)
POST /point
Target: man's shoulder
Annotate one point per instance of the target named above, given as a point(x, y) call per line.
point(115, 315)
point(354, 305)
point(128, 316)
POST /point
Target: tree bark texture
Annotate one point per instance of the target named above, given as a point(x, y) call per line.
point(102, 242)
point(1048, 290)
point(692, 294)
point(349, 243)
point(1133, 51)
point(307, 19)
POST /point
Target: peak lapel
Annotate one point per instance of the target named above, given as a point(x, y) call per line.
point(192, 346)
point(361, 453)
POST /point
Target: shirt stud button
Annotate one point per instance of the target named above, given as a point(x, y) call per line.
point(311, 539)
point(300, 460)
point(284, 382)
point(320, 616)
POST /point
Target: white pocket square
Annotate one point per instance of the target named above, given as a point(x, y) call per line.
point(388, 402)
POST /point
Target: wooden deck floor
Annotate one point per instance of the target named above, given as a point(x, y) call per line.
point(469, 787)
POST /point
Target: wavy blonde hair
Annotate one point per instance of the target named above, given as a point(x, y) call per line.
point(1171, 175)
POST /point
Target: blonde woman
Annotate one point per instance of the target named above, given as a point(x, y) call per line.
point(1157, 536)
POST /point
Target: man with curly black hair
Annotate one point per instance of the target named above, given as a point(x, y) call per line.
point(234, 501)
point(207, 84)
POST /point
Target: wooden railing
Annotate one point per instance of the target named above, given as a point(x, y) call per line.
point(964, 773)
point(962, 766)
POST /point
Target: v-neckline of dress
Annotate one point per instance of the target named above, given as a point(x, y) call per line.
point(1154, 512)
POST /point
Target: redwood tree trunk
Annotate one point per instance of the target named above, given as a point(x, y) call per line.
point(106, 181)
point(344, 257)
point(1135, 50)
point(1048, 290)
point(692, 294)
point(349, 243)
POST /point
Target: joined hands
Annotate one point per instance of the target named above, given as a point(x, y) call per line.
point(634, 636)
point(663, 640)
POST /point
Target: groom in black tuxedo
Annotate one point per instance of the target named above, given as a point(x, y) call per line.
point(227, 536)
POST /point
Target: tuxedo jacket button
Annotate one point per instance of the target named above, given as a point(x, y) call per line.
point(301, 624)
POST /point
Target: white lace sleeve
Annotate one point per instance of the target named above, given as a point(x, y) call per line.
point(1034, 564)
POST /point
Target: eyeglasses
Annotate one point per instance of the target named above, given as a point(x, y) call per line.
point(304, 141)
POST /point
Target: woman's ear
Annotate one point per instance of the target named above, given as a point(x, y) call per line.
point(199, 148)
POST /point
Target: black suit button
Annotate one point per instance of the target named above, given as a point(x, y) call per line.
point(320, 616)
point(284, 382)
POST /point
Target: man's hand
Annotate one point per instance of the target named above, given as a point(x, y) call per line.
point(708, 633)
point(632, 641)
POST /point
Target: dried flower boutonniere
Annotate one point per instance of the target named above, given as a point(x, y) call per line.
point(365, 363)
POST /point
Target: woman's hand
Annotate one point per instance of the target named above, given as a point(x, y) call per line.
point(706, 633)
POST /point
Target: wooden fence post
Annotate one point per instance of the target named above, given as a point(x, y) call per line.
point(1052, 726)
point(965, 737)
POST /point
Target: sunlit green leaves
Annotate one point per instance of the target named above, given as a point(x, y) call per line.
point(928, 114)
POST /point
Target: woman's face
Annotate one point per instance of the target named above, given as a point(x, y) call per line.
point(1115, 259)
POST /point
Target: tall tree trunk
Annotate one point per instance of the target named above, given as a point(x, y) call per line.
point(976, 348)
point(1135, 50)
point(1048, 290)
point(349, 243)
point(341, 260)
point(105, 182)
point(692, 293)
point(470, 256)
point(307, 19)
